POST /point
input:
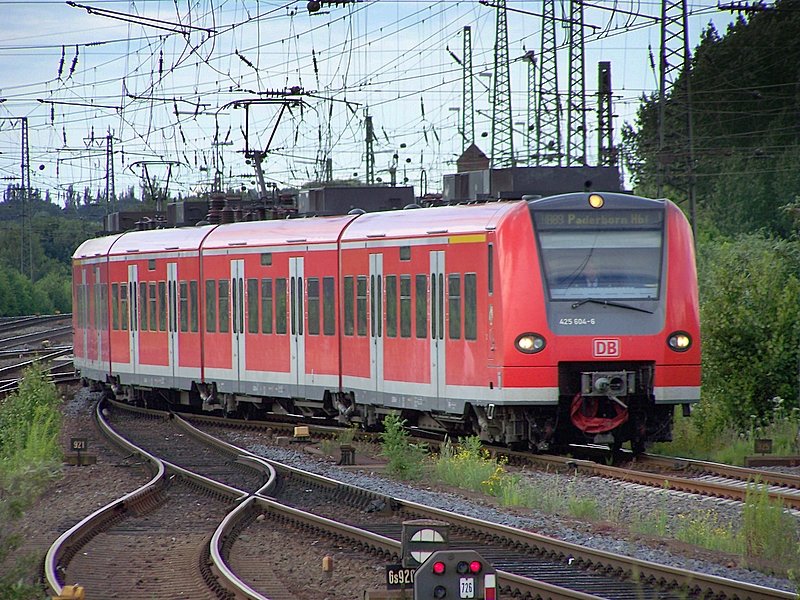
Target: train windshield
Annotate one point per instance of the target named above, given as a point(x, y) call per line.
point(615, 255)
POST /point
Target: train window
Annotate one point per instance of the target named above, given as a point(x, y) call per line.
point(405, 252)
point(115, 306)
point(193, 306)
point(391, 306)
point(361, 304)
point(454, 305)
point(280, 305)
point(313, 305)
point(211, 305)
point(153, 312)
point(470, 306)
point(142, 305)
point(266, 259)
point(184, 311)
point(490, 269)
point(123, 306)
point(162, 306)
point(102, 306)
point(421, 289)
point(405, 306)
point(224, 305)
point(296, 307)
point(348, 306)
point(617, 259)
point(328, 306)
point(151, 264)
point(252, 306)
point(266, 306)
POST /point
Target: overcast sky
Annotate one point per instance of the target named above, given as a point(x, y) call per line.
point(126, 68)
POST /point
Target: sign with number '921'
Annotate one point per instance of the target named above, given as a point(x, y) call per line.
point(79, 444)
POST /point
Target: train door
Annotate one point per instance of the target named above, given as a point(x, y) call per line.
point(100, 316)
point(172, 316)
point(298, 343)
point(133, 308)
point(83, 319)
point(376, 321)
point(237, 318)
point(437, 323)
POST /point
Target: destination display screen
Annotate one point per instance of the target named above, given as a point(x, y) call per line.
point(598, 219)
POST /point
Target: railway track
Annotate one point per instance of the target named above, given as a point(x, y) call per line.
point(677, 474)
point(25, 332)
point(590, 573)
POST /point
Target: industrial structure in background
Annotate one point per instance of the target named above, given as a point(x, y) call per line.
point(554, 160)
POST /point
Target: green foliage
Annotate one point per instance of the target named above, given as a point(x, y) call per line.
point(29, 426)
point(29, 460)
point(467, 466)
point(406, 460)
point(750, 299)
point(744, 108)
point(769, 532)
point(706, 530)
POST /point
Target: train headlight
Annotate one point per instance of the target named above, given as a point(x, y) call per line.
point(596, 201)
point(680, 341)
point(530, 343)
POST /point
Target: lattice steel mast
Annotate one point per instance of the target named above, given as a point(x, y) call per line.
point(576, 106)
point(530, 121)
point(502, 132)
point(674, 57)
point(468, 105)
point(548, 110)
point(606, 154)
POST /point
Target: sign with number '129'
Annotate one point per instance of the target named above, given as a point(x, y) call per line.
point(605, 347)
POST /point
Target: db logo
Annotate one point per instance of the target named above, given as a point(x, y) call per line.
point(608, 347)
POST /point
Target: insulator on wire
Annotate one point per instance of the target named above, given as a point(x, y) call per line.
point(61, 63)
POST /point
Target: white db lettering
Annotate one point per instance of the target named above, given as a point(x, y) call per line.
point(606, 347)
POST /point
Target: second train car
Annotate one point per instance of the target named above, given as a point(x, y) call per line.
point(533, 323)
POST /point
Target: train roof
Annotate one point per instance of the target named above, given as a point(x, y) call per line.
point(95, 247)
point(312, 230)
point(426, 221)
point(160, 240)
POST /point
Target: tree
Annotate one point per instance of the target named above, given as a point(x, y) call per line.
point(745, 105)
point(750, 299)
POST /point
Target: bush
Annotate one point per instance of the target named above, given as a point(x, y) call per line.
point(750, 299)
point(406, 460)
point(29, 460)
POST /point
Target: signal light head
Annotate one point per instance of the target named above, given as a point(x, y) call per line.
point(439, 591)
point(474, 567)
point(439, 567)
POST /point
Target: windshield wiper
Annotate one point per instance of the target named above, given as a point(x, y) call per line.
point(610, 303)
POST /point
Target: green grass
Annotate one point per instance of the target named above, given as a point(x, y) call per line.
point(767, 535)
point(730, 446)
point(30, 458)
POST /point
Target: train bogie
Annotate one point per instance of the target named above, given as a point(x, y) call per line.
point(527, 323)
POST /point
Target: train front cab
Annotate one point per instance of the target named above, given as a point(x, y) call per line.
point(602, 341)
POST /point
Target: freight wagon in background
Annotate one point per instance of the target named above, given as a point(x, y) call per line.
point(531, 323)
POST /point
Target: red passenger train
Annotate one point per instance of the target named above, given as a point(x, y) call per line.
point(532, 323)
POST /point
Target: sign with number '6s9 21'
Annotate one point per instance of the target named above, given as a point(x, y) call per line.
point(399, 577)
